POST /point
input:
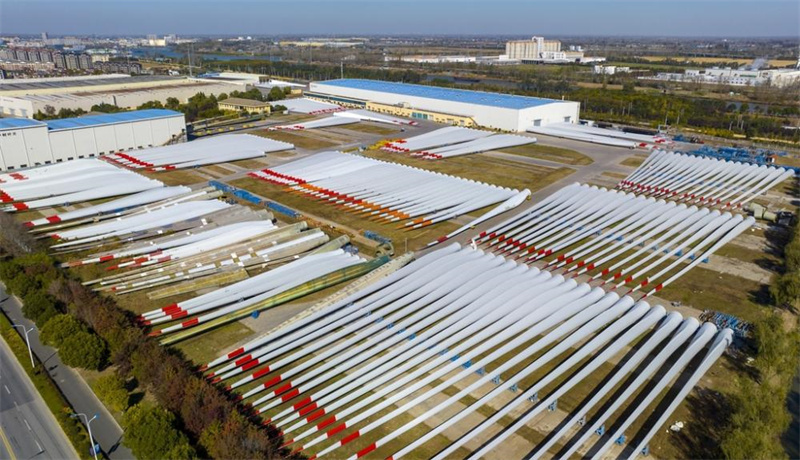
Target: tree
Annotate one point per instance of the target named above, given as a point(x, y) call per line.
point(84, 350)
point(150, 433)
point(59, 328)
point(107, 108)
point(236, 438)
point(111, 389)
point(173, 103)
point(759, 417)
point(38, 307)
point(276, 94)
point(151, 105)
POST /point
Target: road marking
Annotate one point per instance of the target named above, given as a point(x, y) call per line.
point(38, 445)
point(7, 445)
point(27, 424)
point(7, 390)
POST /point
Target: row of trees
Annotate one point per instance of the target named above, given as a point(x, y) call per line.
point(198, 107)
point(759, 414)
point(205, 421)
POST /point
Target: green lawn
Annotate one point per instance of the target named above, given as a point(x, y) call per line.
point(299, 141)
point(550, 153)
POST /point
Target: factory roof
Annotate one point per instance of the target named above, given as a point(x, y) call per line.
point(109, 119)
point(16, 123)
point(506, 101)
point(81, 84)
point(243, 102)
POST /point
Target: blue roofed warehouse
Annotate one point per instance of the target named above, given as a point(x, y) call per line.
point(506, 112)
point(26, 143)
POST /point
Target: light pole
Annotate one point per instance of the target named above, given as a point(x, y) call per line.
point(27, 340)
point(89, 428)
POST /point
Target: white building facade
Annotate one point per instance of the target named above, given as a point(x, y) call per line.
point(27, 143)
point(500, 111)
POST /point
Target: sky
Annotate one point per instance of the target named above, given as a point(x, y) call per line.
point(693, 18)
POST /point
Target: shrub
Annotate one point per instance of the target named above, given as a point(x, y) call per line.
point(59, 328)
point(150, 433)
point(39, 307)
point(84, 350)
point(20, 285)
point(111, 389)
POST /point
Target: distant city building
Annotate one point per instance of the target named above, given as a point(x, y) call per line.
point(44, 36)
point(610, 69)
point(72, 62)
point(59, 60)
point(539, 50)
point(779, 78)
point(85, 61)
point(531, 50)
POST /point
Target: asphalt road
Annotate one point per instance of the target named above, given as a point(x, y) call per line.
point(105, 429)
point(27, 427)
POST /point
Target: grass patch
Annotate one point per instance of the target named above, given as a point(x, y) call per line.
point(787, 161)
point(633, 162)
point(709, 290)
point(205, 347)
point(45, 386)
point(176, 177)
point(302, 142)
point(761, 258)
point(369, 128)
point(253, 163)
point(613, 175)
point(550, 153)
point(497, 171)
point(214, 170)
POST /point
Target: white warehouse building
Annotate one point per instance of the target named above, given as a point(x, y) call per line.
point(27, 143)
point(505, 112)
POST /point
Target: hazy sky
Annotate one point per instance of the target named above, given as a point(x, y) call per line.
point(720, 18)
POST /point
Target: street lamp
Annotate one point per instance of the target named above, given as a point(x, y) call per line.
point(88, 427)
point(27, 340)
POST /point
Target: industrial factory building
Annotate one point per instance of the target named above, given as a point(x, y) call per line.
point(446, 105)
point(24, 98)
point(26, 143)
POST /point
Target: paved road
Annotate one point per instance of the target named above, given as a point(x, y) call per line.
point(27, 427)
point(105, 429)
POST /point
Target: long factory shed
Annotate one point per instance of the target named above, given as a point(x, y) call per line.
point(26, 143)
point(505, 112)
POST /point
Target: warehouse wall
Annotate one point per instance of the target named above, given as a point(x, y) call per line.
point(486, 116)
point(550, 113)
point(20, 148)
point(36, 146)
point(15, 107)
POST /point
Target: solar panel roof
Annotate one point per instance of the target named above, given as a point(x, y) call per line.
point(506, 101)
point(111, 118)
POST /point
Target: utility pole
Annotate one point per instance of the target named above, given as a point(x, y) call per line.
point(27, 341)
point(89, 428)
